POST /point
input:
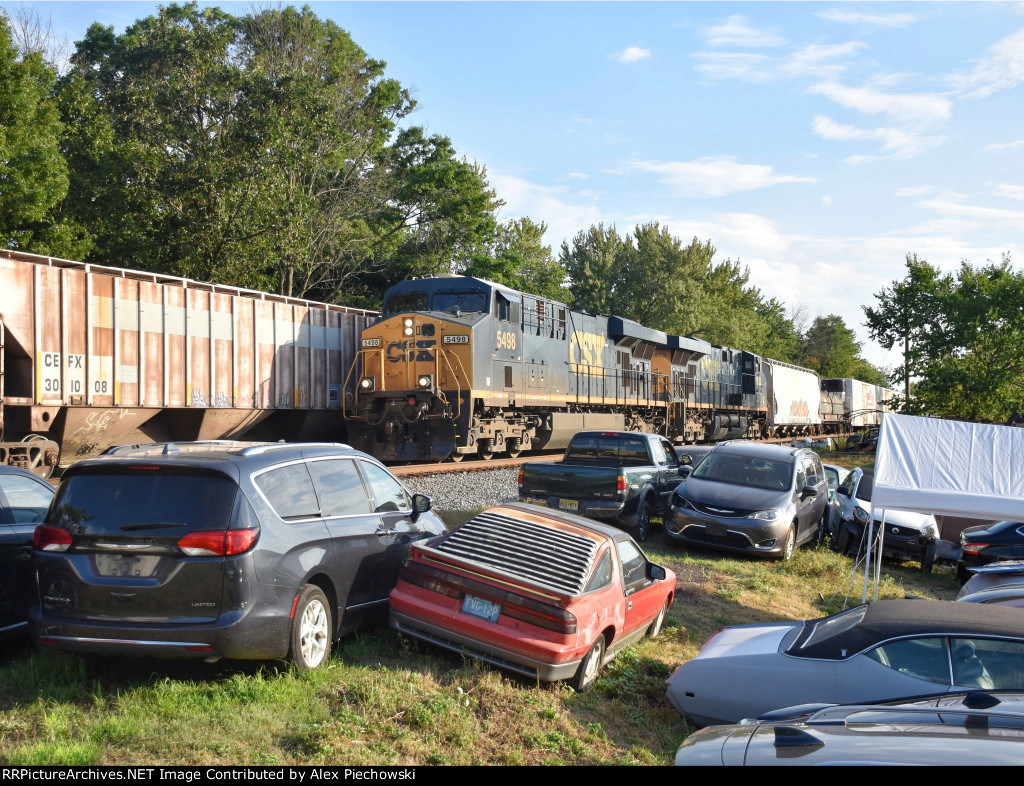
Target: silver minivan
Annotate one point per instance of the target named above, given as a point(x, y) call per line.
point(750, 497)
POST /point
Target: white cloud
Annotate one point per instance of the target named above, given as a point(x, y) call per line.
point(565, 211)
point(912, 191)
point(631, 54)
point(1000, 68)
point(911, 108)
point(817, 60)
point(578, 176)
point(736, 32)
point(897, 143)
point(1005, 145)
point(867, 20)
point(716, 176)
point(736, 65)
point(1009, 190)
point(826, 200)
point(953, 206)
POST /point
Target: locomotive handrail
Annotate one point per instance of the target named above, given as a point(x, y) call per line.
point(458, 386)
point(352, 368)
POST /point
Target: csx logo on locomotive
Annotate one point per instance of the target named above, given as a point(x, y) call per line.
point(410, 350)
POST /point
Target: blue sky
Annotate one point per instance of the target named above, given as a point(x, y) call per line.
point(816, 143)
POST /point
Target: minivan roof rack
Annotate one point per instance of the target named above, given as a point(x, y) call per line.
point(265, 447)
point(243, 448)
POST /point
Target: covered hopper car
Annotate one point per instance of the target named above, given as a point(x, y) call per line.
point(93, 356)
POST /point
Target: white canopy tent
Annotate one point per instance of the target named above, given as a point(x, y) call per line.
point(947, 468)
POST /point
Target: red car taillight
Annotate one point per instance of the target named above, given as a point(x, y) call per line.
point(620, 484)
point(514, 605)
point(973, 548)
point(51, 539)
point(520, 481)
point(218, 543)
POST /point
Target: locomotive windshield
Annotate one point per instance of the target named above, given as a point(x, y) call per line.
point(396, 304)
point(452, 302)
point(456, 302)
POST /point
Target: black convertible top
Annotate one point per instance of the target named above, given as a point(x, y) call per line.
point(845, 634)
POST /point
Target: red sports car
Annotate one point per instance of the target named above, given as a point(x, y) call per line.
point(532, 590)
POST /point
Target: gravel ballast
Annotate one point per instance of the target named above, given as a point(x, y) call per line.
point(467, 490)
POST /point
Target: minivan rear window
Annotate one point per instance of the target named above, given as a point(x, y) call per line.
point(120, 500)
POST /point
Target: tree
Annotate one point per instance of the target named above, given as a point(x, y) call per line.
point(651, 277)
point(33, 172)
point(265, 152)
point(903, 315)
point(520, 260)
point(965, 336)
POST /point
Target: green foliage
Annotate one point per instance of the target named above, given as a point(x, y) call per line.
point(33, 172)
point(520, 260)
point(262, 151)
point(962, 335)
point(651, 277)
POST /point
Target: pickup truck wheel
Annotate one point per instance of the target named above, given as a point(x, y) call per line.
point(642, 528)
point(311, 629)
point(586, 676)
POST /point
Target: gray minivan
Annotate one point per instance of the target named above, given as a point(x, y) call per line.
point(222, 550)
point(750, 497)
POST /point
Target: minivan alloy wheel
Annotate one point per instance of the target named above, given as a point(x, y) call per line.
point(311, 629)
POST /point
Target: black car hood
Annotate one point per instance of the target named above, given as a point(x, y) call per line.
point(732, 495)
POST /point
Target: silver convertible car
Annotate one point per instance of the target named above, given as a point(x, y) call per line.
point(952, 729)
point(880, 651)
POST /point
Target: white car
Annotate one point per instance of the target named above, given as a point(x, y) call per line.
point(908, 536)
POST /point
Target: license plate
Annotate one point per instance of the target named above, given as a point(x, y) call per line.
point(479, 607)
point(125, 566)
point(569, 504)
point(715, 530)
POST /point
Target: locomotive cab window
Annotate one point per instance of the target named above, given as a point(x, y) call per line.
point(461, 302)
point(397, 304)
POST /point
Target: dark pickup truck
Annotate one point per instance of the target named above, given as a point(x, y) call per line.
point(618, 476)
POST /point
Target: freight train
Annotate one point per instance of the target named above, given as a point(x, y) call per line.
point(94, 356)
point(462, 366)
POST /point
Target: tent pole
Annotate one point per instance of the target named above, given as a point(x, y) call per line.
point(867, 555)
point(878, 557)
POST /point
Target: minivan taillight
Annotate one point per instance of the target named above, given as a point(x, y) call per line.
point(50, 539)
point(218, 543)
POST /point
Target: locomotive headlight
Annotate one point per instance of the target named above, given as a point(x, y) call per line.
point(407, 327)
point(424, 381)
point(366, 384)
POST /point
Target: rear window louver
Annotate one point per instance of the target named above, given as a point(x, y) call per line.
point(545, 557)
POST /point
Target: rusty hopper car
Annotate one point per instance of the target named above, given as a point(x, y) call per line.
point(463, 366)
point(95, 356)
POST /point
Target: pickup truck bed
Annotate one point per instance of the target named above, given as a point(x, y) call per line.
point(621, 477)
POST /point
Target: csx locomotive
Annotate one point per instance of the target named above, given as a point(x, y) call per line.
point(462, 366)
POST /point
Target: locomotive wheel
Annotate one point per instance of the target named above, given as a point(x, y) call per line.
point(457, 457)
point(513, 447)
point(486, 449)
